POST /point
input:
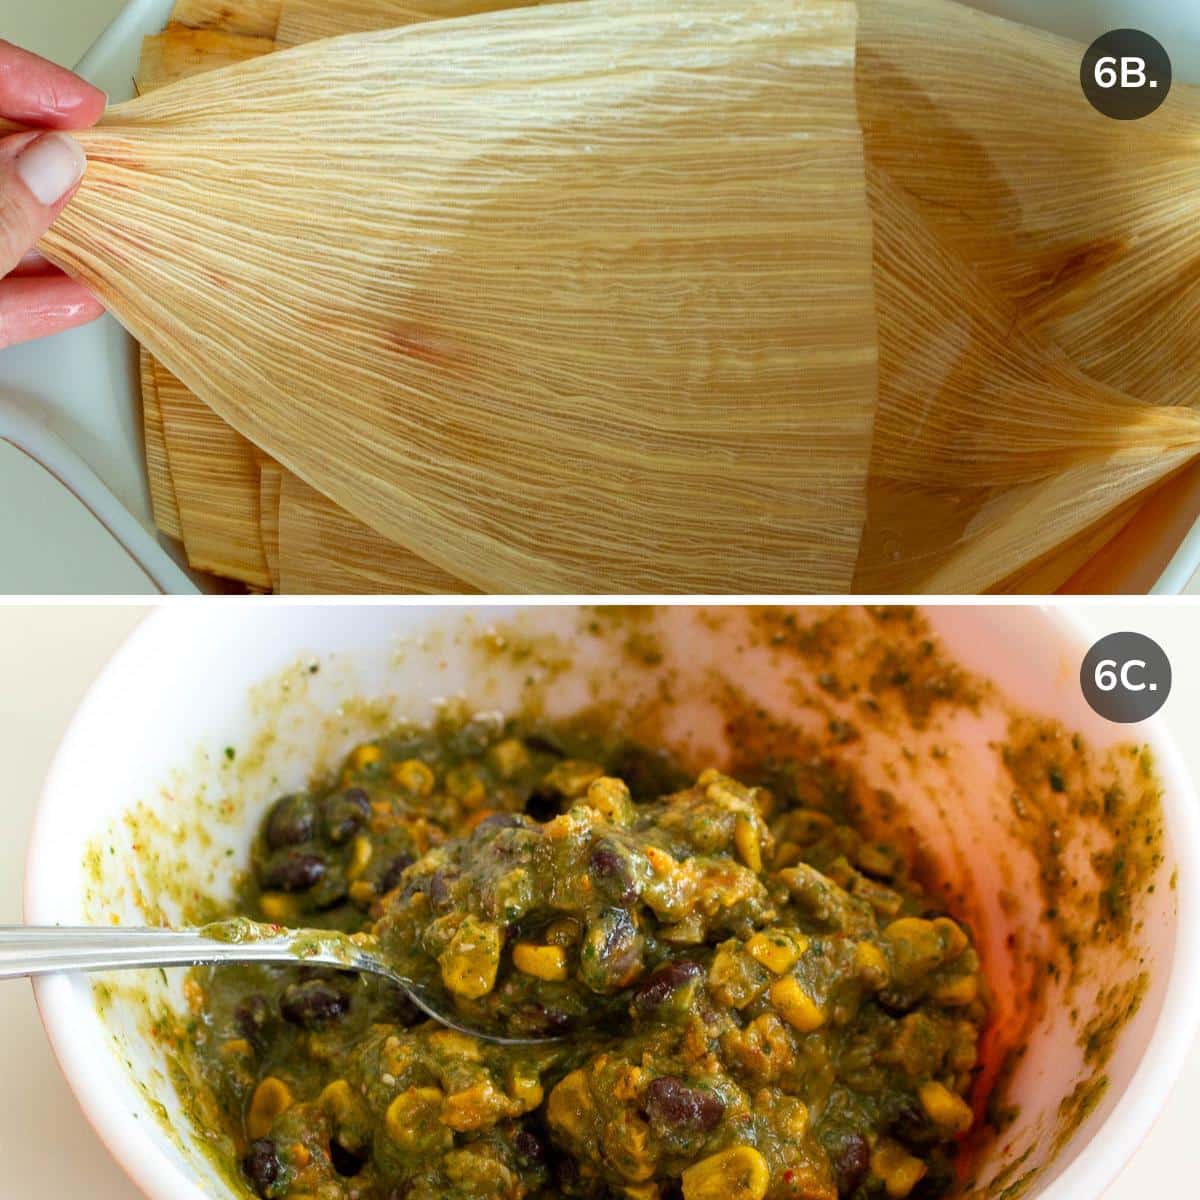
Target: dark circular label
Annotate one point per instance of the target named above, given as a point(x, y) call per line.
point(1126, 74)
point(1126, 677)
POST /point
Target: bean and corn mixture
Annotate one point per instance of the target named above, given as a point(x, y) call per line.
point(757, 1002)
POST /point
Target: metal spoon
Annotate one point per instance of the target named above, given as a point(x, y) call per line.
point(26, 952)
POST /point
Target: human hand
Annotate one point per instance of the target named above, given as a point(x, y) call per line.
point(39, 173)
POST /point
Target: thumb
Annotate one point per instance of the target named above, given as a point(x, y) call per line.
point(38, 173)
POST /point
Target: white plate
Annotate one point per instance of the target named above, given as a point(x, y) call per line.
point(84, 383)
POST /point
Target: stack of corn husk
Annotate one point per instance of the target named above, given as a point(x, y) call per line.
point(1011, 381)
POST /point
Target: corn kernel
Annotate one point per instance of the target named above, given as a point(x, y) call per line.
point(237, 1048)
point(411, 1113)
point(527, 1090)
point(953, 937)
point(272, 1098)
point(542, 962)
point(737, 1174)
point(898, 1170)
point(479, 1106)
point(957, 992)
point(747, 843)
point(414, 776)
point(796, 1006)
point(946, 1109)
point(337, 1099)
point(570, 1105)
point(279, 907)
point(509, 757)
point(470, 962)
point(610, 798)
point(916, 942)
point(362, 893)
point(466, 787)
point(642, 1191)
point(360, 856)
point(872, 964)
point(571, 777)
point(777, 952)
point(366, 756)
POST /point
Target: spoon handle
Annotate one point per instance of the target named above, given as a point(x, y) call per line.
point(26, 951)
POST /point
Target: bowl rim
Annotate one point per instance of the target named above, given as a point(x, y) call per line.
point(1095, 1167)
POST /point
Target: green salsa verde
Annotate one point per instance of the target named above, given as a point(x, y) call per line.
point(751, 1000)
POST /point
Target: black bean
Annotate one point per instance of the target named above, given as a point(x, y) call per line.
point(851, 1160)
point(913, 1128)
point(261, 1166)
point(661, 985)
point(391, 876)
point(610, 869)
point(612, 951)
point(671, 1105)
point(345, 1163)
point(253, 1016)
point(292, 872)
point(529, 1147)
point(565, 1173)
point(439, 890)
point(291, 822)
point(330, 891)
point(400, 1009)
point(345, 814)
point(313, 1005)
point(547, 1020)
point(544, 804)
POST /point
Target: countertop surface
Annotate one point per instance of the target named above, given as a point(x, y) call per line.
point(47, 659)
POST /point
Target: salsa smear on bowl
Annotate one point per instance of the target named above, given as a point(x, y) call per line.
point(750, 1000)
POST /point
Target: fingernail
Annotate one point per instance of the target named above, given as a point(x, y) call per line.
point(52, 166)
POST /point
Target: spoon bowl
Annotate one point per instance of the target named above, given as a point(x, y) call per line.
point(27, 952)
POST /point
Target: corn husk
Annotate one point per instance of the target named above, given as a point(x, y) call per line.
point(179, 53)
point(215, 473)
point(254, 18)
point(323, 550)
point(303, 21)
point(236, 494)
point(1089, 225)
point(1131, 562)
point(163, 504)
point(980, 421)
point(270, 480)
point(664, 382)
point(174, 55)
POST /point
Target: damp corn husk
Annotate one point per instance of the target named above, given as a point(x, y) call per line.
point(256, 18)
point(304, 21)
point(213, 471)
point(323, 550)
point(235, 502)
point(231, 489)
point(981, 421)
point(665, 382)
point(164, 506)
point(179, 53)
point(270, 485)
point(1088, 224)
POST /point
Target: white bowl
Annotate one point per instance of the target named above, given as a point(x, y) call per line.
point(196, 680)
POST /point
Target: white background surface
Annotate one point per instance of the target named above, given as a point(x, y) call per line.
point(49, 655)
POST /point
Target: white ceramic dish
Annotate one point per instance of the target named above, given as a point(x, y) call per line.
point(84, 383)
point(193, 681)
